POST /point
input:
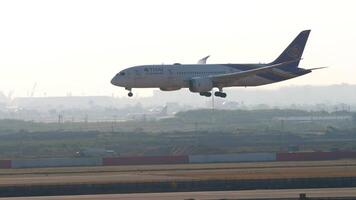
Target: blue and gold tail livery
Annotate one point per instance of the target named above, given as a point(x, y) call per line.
point(294, 51)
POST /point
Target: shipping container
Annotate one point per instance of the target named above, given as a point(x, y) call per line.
point(241, 157)
point(145, 160)
point(56, 162)
point(5, 164)
point(309, 156)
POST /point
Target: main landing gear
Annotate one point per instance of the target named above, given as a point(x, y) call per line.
point(130, 94)
point(206, 94)
point(220, 93)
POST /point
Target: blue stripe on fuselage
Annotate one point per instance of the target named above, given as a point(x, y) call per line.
point(268, 75)
point(265, 75)
point(244, 67)
point(272, 77)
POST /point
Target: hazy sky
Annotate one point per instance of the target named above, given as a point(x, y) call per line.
point(76, 46)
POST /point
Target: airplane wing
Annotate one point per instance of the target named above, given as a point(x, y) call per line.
point(223, 78)
point(203, 60)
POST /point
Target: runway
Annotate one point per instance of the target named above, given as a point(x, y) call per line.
point(168, 178)
point(158, 173)
point(209, 195)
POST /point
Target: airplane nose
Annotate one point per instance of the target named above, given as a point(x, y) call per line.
point(114, 81)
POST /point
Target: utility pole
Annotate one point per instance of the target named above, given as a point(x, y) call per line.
point(60, 120)
point(212, 102)
point(212, 108)
point(86, 122)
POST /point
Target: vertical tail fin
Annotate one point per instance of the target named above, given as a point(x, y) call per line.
point(294, 50)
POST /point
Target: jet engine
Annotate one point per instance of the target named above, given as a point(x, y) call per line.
point(200, 85)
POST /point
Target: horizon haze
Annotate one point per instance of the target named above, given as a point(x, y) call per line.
point(55, 48)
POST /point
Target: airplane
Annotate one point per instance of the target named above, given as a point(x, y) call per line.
point(202, 78)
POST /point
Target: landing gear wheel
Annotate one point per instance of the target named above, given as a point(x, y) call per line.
point(220, 94)
point(206, 94)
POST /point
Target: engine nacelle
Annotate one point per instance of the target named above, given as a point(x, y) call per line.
point(170, 88)
point(200, 85)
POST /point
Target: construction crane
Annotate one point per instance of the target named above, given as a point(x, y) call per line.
point(33, 89)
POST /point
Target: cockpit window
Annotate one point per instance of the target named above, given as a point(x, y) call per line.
point(122, 73)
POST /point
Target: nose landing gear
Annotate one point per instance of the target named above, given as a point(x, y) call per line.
point(130, 94)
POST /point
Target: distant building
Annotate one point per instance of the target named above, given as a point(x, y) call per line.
point(62, 103)
point(314, 118)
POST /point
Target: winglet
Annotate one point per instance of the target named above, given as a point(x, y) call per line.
point(203, 60)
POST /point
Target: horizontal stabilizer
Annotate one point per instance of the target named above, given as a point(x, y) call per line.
point(316, 68)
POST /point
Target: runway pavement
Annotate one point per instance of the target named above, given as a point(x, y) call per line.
point(209, 195)
point(222, 171)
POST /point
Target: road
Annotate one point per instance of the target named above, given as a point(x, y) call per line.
point(208, 195)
